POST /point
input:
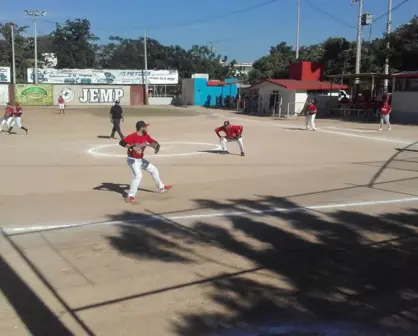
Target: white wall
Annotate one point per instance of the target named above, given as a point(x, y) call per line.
point(187, 91)
point(266, 88)
point(405, 106)
point(160, 100)
point(4, 94)
point(301, 97)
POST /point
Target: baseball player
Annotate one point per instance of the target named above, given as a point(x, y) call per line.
point(136, 144)
point(8, 113)
point(311, 111)
point(16, 119)
point(61, 104)
point(232, 133)
point(116, 115)
point(384, 111)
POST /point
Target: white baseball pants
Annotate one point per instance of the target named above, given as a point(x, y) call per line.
point(310, 121)
point(14, 122)
point(224, 141)
point(4, 121)
point(137, 165)
point(385, 119)
point(61, 106)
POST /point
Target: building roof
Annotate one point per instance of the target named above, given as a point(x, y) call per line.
point(293, 84)
point(367, 75)
point(406, 74)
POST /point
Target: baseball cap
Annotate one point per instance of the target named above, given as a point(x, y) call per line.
point(117, 101)
point(140, 124)
point(226, 123)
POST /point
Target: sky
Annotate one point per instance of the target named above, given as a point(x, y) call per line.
point(241, 34)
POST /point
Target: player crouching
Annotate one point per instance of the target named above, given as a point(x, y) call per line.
point(16, 119)
point(136, 143)
point(232, 133)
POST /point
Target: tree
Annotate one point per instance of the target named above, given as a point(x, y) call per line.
point(24, 49)
point(73, 46)
point(403, 51)
point(274, 65)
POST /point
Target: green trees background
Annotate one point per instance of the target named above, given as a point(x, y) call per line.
point(76, 46)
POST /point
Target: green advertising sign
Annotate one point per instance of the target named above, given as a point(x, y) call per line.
point(32, 94)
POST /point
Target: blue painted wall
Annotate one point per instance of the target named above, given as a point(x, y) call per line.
point(202, 91)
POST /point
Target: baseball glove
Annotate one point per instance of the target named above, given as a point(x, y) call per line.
point(156, 146)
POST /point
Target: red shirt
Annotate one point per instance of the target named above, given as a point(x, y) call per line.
point(18, 112)
point(136, 139)
point(60, 100)
point(311, 109)
point(8, 112)
point(231, 132)
point(385, 108)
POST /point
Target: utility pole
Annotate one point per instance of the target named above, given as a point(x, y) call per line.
point(388, 31)
point(146, 67)
point(35, 13)
point(359, 35)
point(12, 27)
point(298, 30)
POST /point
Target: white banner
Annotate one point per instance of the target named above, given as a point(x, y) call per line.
point(103, 76)
point(4, 94)
point(4, 74)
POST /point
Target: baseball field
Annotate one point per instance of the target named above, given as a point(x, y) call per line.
point(310, 230)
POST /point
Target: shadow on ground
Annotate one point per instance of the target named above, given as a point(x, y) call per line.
point(340, 274)
point(341, 268)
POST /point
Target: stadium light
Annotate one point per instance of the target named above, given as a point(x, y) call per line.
point(35, 14)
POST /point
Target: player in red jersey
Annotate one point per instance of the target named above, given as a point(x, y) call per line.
point(136, 144)
point(232, 133)
point(8, 113)
point(16, 120)
point(61, 104)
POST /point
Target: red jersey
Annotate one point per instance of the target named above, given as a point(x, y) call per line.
point(19, 111)
point(60, 100)
point(385, 108)
point(311, 109)
point(8, 112)
point(231, 132)
point(137, 140)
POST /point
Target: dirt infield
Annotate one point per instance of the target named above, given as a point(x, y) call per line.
point(309, 228)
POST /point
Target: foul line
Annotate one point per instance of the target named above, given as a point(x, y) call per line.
point(40, 228)
point(93, 151)
point(326, 131)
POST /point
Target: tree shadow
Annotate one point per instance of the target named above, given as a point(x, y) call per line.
point(342, 266)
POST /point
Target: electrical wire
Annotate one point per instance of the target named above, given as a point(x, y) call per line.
point(194, 22)
point(394, 8)
point(324, 13)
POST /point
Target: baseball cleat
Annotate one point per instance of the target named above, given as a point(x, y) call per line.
point(166, 188)
point(242, 154)
point(130, 199)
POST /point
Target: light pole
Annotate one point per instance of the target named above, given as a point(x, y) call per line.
point(146, 67)
point(388, 30)
point(359, 36)
point(35, 14)
point(12, 28)
point(297, 30)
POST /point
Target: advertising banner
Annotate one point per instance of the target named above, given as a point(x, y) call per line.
point(31, 94)
point(103, 76)
point(92, 94)
point(4, 94)
point(5, 74)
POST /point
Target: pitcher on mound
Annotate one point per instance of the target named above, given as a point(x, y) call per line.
point(136, 143)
